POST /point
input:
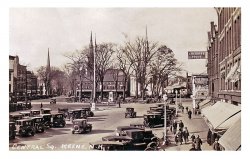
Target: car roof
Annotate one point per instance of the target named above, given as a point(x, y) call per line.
point(127, 127)
point(80, 120)
point(118, 137)
point(152, 114)
point(24, 112)
point(12, 122)
point(57, 113)
point(45, 114)
point(36, 117)
point(46, 108)
point(135, 130)
point(106, 143)
point(35, 110)
point(25, 120)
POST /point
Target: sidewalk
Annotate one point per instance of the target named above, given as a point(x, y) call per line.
point(196, 125)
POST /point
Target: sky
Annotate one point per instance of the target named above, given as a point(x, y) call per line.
point(64, 30)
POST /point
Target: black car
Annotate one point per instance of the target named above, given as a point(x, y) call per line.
point(12, 130)
point(65, 112)
point(121, 130)
point(81, 126)
point(14, 117)
point(89, 113)
point(45, 111)
point(152, 120)
point(34, 113)
point(58, 120)
point(47, 120)
point(130, 113)
point(25, 127)
point(77, 114)
point(38, 124)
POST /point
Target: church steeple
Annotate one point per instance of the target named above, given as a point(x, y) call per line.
point(48, 75)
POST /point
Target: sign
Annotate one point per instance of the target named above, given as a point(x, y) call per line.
point(201, 80)
point(197, 54)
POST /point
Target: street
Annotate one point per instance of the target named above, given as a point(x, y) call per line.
point(104, 123)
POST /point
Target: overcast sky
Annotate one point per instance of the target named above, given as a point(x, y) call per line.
point(63, 30)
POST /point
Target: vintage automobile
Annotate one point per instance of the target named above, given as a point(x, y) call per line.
point(53, 101)
point(14, 117)
point(12, 107)
point(45, 111)
point(117, 138)
point(108, 146)
point(38, 124)
point(34, 113)
point(152, 120)
point(65, 112)
point(138, 141)
point(139, 125)
point(88, 111)
point(121, 130)
point(130, 113)
point(77, 114)
point(81, 126)
point(25, 127)
point(26, 106)
point(25, 114)
point(47, 120)
point(58, 120)
point(12, 130)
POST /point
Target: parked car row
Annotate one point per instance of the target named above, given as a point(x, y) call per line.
point(28, 123)
point(131, 137)
point(19, 106)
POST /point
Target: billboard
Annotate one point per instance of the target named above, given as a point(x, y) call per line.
point(197, 55)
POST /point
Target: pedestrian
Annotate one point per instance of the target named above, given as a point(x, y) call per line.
point(176, 139)
point(216, 145)
point(198, 143)
point(182, 109)
point(174, 127)
point(185, 135)
point(192, 137)
point(209, 136)
point(193, 147)
point(119, 101)
point(187, 109)
point(189, 114)
point(41, 105)
point(181, 125)
point(180, 136)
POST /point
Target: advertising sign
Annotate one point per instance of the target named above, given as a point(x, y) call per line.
point(197, 55)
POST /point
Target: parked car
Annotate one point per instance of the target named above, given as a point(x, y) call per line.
point(14, 117)
point(38, 124)
point(53, 101)
point(89, 113)
point(108, 146)
point(34, 113)
point(65, 112)
point(130, 113)
point(25, 114)
point(139, 125)
point(77, 114)
point(47, 120)
point(120, 130)
point(152, 120)
point(25, 127)
point(58, 120)
point(81, 126)
point(45, 111)
point(138, 142)
point(12, 130)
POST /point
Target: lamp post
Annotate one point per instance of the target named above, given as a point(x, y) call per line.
point(165, 97)
point(80, 94)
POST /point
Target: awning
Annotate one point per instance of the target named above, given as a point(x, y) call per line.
point(236, 76)
point(218, 113)
point(231, 139)
point(232, 72)
point(229, 122)
point(205, 103)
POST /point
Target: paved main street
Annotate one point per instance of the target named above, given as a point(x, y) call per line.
point(105, 121)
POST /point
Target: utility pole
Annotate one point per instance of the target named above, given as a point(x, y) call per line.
point(26, 87)
point(80, 94)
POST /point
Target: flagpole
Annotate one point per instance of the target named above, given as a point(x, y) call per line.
point(94, 79)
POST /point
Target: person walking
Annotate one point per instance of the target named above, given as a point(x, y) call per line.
point(192, 138)
point(180, 136)
point(187, 109)
point(209, 136)
point(216, 145)
point(119, 101)
point(174, 127)
point(185, 135)
point(41, 105)
point(181, 125)
point(198, 143)
point(189, 114)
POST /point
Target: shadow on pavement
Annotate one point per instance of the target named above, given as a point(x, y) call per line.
point(100, 131)
point(96, 119)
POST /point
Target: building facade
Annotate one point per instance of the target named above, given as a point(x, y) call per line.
point(224, 56)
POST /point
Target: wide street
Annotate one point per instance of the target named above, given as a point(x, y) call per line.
point(104, 123)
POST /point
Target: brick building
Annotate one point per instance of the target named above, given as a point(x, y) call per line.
point(224, 56)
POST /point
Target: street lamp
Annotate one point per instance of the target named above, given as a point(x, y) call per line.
point(165, 98)
point(80, 94)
